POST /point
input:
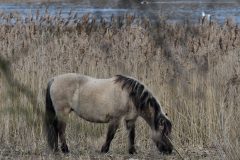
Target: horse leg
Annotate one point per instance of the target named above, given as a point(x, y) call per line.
point(62, 136)
point(112, 128)
point(130, 125)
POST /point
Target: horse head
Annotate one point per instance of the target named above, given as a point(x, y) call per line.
point(162, 132)
point(161, 127)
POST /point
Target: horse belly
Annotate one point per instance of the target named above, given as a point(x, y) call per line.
point(94, 110)
point(99, 111)
point(93, 113)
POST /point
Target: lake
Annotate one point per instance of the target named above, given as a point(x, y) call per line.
point(173, 11)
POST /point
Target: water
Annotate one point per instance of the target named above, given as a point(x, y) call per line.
point(171, 10)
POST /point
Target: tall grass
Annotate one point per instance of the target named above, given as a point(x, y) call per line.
point(193, 69)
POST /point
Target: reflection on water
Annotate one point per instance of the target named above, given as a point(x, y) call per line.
point(172, 10)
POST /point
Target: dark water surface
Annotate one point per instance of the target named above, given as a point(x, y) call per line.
point(171, 10)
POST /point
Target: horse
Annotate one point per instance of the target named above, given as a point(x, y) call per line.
point(104, 101)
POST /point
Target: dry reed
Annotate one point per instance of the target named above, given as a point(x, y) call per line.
point(192, 69)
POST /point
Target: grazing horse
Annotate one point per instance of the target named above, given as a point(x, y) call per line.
point(104, 101)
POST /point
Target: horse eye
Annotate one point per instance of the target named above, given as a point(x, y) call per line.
point(166, 114)
point(161, 121)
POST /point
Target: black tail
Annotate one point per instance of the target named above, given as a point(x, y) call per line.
point(51, 121)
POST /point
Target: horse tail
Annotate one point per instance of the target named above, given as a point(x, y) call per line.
point(51, 121)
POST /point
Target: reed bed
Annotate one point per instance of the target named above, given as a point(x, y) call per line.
point(193, 69)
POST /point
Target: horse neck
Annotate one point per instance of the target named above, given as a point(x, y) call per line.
point(151, 112)
point(148, 114)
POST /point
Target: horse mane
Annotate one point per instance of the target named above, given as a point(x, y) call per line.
point(138, 92)
point(141, 98)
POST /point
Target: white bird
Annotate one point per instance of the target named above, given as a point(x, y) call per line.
point(206, 16)
point(144, 2)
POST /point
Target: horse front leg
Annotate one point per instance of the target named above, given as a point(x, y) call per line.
point(130, 125)
point(112, 128)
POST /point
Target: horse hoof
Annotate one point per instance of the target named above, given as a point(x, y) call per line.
point(132, 151)
point(65, 149)
point(104, 149)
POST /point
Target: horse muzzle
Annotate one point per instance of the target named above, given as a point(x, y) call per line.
point(165, 147)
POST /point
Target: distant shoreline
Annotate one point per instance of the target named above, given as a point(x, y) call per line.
point(173, 11)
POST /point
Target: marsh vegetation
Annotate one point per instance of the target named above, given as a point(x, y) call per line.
point(193, 69)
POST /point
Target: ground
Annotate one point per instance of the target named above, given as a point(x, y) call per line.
point(191, 153)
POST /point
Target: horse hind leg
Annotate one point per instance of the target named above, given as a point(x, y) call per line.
point(62, 136)
point(52, 134)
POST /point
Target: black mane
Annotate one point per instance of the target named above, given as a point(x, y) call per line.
point(141, 98)
point(138, 92)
